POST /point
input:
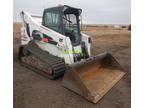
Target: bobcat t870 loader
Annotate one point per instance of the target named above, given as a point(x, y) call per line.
point(53, 46)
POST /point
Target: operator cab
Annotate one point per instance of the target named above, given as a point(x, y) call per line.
point(65, 20)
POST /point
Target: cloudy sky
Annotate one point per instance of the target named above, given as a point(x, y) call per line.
point(94, 11)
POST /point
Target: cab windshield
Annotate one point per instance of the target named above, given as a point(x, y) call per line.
point(70, 22)
point(71, 26)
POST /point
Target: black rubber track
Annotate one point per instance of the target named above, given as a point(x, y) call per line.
point(56, 64)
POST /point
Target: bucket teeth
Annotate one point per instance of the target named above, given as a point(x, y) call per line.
point(94, 77)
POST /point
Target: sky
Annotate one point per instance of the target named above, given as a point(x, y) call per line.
point(94, 11)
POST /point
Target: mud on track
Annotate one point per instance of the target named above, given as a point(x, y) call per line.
point(34, 91)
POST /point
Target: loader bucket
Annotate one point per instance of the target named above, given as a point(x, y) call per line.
point(94, 77)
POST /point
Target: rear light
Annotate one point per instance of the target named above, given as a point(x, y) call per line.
point(45, 40)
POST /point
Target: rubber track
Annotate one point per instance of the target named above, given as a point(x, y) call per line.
point(56, 64)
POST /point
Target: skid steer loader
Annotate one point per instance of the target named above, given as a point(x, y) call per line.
point(53, 46)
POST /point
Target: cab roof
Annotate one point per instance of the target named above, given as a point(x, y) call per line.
point(65, 9)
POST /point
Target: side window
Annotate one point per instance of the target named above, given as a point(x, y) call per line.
point(48, 19)
point(52, 20)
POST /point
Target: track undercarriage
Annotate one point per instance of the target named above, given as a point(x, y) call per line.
point(41, 61)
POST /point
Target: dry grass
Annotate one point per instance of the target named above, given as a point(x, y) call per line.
point(33, 91)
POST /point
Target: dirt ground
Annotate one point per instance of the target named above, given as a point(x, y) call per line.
point(34, 91)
